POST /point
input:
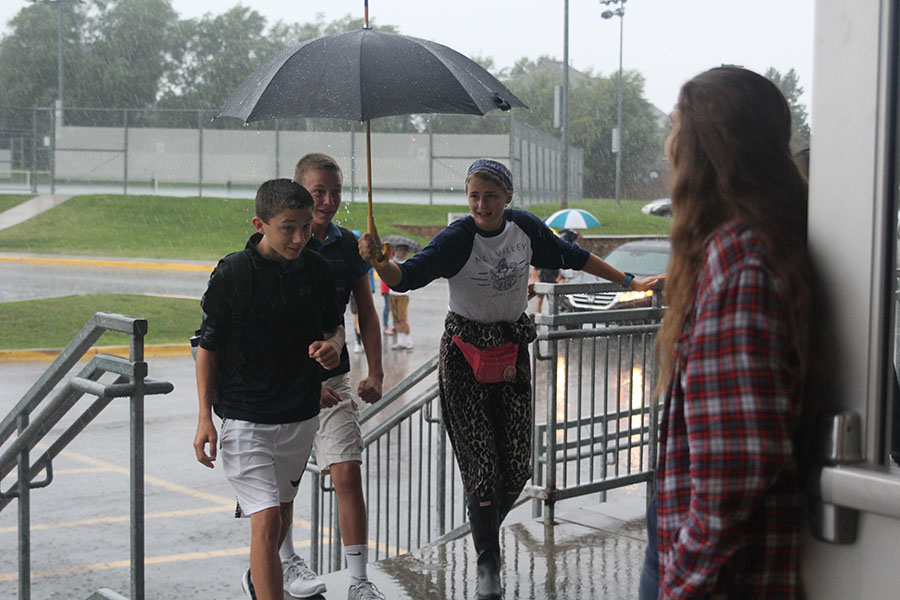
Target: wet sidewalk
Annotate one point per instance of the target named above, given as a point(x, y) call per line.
point(588, 553)
point(24, 211)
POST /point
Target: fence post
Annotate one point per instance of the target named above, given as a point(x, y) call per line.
point(52, 151)
point(277, 149)
point(200, 152)
point(34, 143)
point(430, 163)
point(125, 150)
point(352, 161)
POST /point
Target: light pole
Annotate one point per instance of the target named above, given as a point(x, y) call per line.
point(60, 79)
point(617, 134)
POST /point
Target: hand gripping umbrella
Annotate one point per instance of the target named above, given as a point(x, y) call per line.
point(365, 74)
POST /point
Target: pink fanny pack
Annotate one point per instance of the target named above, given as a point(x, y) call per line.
point(491, 365)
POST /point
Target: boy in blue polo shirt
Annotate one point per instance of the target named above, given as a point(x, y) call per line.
point(270, 327)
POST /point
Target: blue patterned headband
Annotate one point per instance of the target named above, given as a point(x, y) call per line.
point(493, 167)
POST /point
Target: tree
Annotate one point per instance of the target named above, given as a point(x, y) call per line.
point(592, 116)
point(28, 55)
point(789, 84)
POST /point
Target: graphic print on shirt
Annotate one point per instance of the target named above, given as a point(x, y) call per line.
point(502, 276)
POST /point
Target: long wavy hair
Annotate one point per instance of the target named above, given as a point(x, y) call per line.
point(731, 159)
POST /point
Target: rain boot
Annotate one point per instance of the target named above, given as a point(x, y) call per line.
point(505, 503)
point(485, 524)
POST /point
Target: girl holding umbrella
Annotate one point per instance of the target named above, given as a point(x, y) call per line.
point(485, 375)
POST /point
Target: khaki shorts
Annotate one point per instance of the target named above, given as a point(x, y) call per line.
point(264, 463)
point(399, 307)
point(339, 438)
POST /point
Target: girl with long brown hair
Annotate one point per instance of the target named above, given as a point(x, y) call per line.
point(733, 346)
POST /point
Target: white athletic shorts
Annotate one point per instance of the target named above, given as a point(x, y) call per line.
point(264, 463)
point(339, 438)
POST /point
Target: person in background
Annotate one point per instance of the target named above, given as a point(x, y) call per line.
point(485, 373)
point(733, 348)
point(338, 441)
point(400, 306)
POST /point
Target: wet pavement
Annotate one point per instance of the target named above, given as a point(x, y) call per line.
point(80, 536)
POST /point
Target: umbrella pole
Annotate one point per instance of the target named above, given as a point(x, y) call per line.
point(371, 220)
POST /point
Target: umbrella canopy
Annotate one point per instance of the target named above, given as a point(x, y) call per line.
point(365, 74)
point(572, 218)
point(401, 240)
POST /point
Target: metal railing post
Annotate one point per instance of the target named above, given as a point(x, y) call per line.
point(550, 479)
point(315, 531)
point(442, 479)
point(137, 472)
point(24, 494)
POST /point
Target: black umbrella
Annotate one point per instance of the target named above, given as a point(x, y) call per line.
point(364, 74)
point(401, 240)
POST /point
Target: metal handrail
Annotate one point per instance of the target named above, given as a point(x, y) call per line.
point(132, 382)
point(398, 509)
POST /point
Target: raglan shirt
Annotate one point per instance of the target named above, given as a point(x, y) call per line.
point(346, 270)
point(265, 374)
point(488, 271)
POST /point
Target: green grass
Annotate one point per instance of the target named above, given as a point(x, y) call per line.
point(7, 201)
point(53, 322)
point(174, 228)
point(208, 228)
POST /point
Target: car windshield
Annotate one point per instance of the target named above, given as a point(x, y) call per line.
point(639, 261)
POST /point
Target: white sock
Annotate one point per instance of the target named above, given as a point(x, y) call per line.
point(357, 557)
point(287, 546)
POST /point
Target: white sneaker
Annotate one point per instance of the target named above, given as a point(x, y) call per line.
point(299, 580)
point(358, 348)
point(364, 590)
point(247, 585)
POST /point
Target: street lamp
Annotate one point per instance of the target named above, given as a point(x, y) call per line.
point(59, 47)
point(617, 134)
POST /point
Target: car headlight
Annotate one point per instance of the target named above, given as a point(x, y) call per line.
point(632, 296)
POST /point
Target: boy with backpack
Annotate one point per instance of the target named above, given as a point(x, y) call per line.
point(270, 327)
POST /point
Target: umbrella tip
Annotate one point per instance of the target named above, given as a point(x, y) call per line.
point(501, 103)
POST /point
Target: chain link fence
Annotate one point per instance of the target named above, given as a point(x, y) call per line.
point(187, 153)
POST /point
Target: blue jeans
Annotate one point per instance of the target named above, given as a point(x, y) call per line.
point(649, 587)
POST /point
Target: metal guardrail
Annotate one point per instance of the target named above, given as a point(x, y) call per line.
point(593, 374)
point(31, 427)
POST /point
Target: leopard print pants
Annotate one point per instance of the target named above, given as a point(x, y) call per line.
point(489, 424)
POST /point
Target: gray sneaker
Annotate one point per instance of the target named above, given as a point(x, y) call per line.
point(299, 580)
point(364, 590)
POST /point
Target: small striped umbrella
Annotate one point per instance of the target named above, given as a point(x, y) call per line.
point(572, 218)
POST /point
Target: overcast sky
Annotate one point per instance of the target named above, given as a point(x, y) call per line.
point(668, 41)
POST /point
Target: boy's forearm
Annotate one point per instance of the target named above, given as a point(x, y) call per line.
point(337, 338)
point(389, 273)
point(206, 370)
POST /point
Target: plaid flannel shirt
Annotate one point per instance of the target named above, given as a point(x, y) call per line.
point(728, 486)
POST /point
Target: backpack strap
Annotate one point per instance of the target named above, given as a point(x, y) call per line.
point(241, 284)
point(351, 251)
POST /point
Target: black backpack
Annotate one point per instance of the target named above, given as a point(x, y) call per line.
point(242, 283)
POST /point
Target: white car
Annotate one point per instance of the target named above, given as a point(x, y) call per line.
point(643, 258)
point(659, 208)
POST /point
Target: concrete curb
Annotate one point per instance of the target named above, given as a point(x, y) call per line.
point(50, 354)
